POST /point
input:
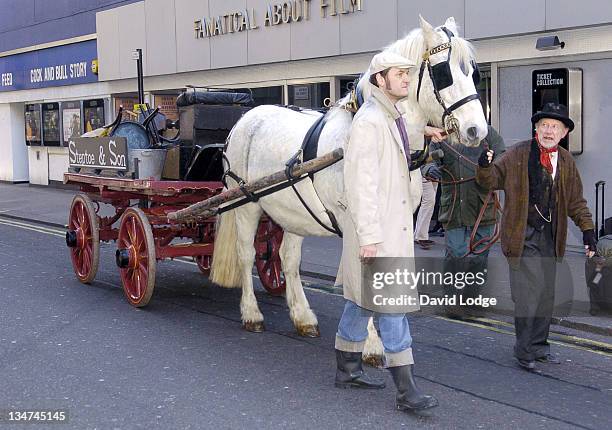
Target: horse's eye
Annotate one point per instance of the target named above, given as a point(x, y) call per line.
point(464, 68)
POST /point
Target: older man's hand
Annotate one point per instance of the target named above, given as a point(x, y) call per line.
point(590, 243)
point(486, 157)
point(436, 134)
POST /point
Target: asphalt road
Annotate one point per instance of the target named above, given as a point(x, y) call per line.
point(184, 361)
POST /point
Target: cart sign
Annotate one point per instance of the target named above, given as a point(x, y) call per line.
point(98, 152)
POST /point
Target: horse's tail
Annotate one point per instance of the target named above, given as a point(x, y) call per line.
point(225, 268)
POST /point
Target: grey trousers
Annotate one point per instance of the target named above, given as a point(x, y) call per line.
point(533, 292)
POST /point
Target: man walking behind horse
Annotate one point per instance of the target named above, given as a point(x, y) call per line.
point(542, 189)
point(462, 211)
point(381, 196)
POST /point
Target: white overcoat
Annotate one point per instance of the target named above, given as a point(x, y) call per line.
point(381, 194)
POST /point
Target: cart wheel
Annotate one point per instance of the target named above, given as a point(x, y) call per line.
point(267, 259)
point(83, 238)
point(204, 262)
point(136, 257)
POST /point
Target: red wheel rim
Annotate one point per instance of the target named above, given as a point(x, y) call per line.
point(135, 277)
point(268, 262)
point(82, 255)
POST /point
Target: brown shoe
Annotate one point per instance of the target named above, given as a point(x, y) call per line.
point(425, 244)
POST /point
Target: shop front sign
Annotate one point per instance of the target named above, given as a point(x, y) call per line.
point(51, 67)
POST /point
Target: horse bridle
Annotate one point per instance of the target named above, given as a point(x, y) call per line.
point(441, 78)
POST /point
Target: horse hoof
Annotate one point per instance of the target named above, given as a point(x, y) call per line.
point(375, 361)
point(254, 326)
point(309, 331)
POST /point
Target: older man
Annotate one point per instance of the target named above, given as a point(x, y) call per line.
point(542, 188)
point(381, 196)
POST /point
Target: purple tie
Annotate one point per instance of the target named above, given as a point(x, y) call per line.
point(402, 130)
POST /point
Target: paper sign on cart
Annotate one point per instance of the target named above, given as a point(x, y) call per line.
point(98, 152)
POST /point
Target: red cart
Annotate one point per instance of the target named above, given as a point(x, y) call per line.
point(144, 234)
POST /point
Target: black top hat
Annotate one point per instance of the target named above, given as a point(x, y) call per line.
point(554, 111)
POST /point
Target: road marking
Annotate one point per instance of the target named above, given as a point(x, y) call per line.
point(595, 343)
point(555, 342)
point(182, 260)
point(32, 227)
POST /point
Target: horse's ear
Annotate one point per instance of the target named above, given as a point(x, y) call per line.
point(428, 30)
point(452, 25)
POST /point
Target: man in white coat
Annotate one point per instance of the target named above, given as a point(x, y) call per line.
point(381, 195)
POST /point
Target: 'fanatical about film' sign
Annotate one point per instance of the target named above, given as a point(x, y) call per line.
point(98, 152)
point(275, 14)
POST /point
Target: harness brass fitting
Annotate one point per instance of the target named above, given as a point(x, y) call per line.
point(352, 105)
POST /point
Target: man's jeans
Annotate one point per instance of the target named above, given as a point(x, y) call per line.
point(394, 332)
point(457, 242)
point(458, 239)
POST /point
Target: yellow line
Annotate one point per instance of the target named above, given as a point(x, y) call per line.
point(563, 336)
point(555, 342)
point(32, 228)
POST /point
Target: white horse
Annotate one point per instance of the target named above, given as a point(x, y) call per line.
point(267, 136)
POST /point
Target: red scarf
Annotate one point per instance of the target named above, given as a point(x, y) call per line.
point(544, 157)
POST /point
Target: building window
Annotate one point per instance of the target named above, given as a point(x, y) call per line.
point(309, 96)
point(484, 92)
point(347, 84)
point(268, 95)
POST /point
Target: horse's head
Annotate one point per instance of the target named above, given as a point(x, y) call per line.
point(445, 80)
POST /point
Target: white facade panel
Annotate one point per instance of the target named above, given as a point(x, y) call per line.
point(132, 33)
point(107, 26)
point(486, 18)
point(38, 165)
point(160, 56)
point(569, 13)
point(268, 44)
point(228, 50)
point(58, 163)
point(316, 37)
point(434, 11)
point(355, 33)
point(191, 53)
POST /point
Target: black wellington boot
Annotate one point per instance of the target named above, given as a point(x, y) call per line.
point(409, 397)
point(350, 374)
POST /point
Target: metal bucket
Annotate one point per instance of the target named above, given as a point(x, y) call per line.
point(150, 162)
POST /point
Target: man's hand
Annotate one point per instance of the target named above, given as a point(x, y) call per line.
point(437, 135)
point(432, 171)
point(485, 158)
point(367, 252)
point(590, 244)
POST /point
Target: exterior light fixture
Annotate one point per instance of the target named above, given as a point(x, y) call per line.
point(548, 43)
